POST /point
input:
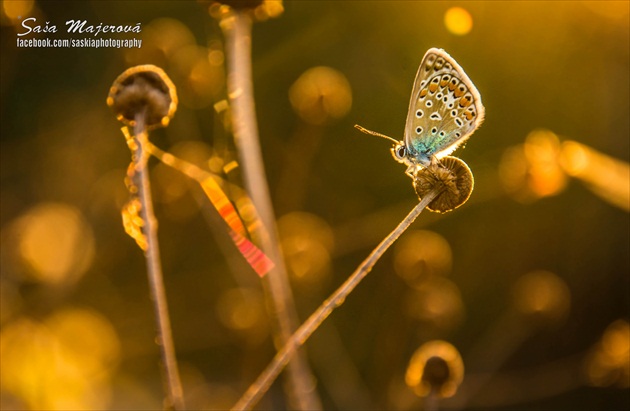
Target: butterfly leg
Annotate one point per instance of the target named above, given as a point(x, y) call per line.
point(412, 170)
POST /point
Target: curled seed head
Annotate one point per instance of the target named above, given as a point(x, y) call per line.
point(143, 89)
point(455, 177)
point(241, 4)
point(259, 10)
point(436, 372)
point(435, 367)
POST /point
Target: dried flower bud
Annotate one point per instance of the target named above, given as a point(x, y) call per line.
point(607, 363)
point(436, 367)
point(436, 372)
point(542, 298)
point(241, 4)
point(534, 170)
point(259, 10)
point(456, 178)
point(143, 89)
point(321, 95)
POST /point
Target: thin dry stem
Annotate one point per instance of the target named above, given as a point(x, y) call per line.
point(175, 397)
point(264, 381)
point(432, 401)
point(188, 169)
point(237, 31)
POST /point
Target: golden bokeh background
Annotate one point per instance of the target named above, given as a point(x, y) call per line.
point(526, 284)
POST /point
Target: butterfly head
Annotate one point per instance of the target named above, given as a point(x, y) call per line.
point(414, 161)
point(410, 157)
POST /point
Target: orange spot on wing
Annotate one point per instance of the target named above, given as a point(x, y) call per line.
point(465, 102)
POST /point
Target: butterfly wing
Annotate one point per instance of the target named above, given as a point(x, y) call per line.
point(445, 108)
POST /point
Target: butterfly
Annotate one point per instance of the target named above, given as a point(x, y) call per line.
point(444, 110)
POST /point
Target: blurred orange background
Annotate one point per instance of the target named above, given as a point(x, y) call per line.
point(528, 280)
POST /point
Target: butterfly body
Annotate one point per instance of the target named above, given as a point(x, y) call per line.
point(444, 110)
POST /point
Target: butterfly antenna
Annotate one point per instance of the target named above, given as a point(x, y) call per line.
point(374, 133)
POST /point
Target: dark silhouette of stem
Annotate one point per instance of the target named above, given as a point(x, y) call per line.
point(175, 397)
point(264, 381)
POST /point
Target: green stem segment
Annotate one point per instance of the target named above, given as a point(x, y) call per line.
point(264, 381)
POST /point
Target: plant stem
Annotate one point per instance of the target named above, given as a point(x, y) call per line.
point(237, 31)
point(175, 397)
point(432, 401)
point(262, 384)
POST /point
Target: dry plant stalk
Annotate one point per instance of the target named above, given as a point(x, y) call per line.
point(175, 397)
point(143, 97)
point(237, 30)
point(264, 381)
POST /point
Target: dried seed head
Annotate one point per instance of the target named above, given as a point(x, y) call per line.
point(607, 362)
point(143, 89)
point(436, 372)
point(241, 4)
point(435, 367)
point(321, 95)
point(542, 298)
point(453, 175)
point(259, 10)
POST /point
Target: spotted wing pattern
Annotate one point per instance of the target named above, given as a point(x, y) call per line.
point(445, 109)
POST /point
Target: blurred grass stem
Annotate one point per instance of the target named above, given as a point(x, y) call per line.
point(432, 401)
point(238, 35)
point(175, 397)
point(264, 381)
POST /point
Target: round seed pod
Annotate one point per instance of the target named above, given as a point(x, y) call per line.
point(143, 89)
point(436, 372)
point(455, 177)
point(259, 10)
point(435, 367)
point(321, 95)
point(241, 4)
